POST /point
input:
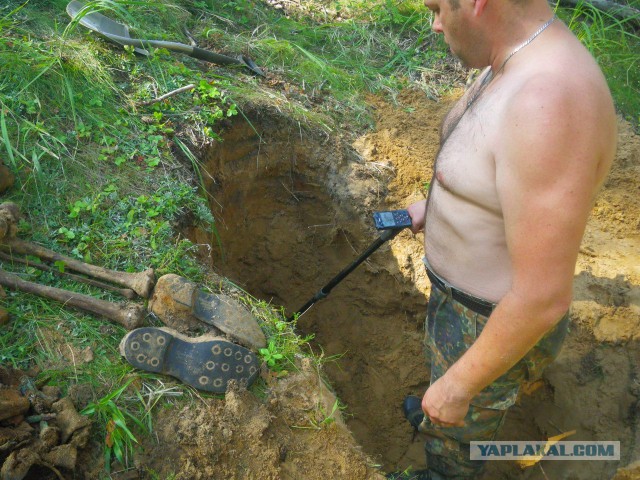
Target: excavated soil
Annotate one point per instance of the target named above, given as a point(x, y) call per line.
point(294, 209)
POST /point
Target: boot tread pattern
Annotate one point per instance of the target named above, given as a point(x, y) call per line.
point(207, 365)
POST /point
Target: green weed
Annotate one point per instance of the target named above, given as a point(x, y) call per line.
point(324, 417)
point(271, 356)
point(328, 417)
point(119, 440)
point(284, 344)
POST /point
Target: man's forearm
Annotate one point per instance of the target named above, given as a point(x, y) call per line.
point(512, 330)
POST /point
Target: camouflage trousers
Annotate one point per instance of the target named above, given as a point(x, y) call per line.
point(450, 330)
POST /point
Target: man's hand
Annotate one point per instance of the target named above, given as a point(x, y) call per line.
point(417, 212)
point(443, 405)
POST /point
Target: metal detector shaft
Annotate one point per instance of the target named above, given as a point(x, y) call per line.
point(324, 291)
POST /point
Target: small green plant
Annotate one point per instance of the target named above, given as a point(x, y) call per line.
point(284, 344)
point(329, 418)
point(214, 106)
point(324, 418)
point(271, 356)
point(119, 439)
point(116, 222)
point(66, 234)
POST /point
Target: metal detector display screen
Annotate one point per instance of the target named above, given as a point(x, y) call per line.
point(392, 219)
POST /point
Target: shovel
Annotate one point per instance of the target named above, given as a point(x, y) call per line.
point(119, 33)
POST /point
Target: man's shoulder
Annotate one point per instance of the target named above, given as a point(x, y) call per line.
point(566, 81)
point(560, 94)
point(559, 116)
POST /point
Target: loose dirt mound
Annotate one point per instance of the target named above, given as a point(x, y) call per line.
point(281, 436)
point(46, 440)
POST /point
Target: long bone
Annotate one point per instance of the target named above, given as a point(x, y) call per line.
point(140, 282)
point(125, 292)
point(130, 316)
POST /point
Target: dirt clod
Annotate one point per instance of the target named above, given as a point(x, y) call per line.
point(4, 316)
point(9, 216)
point(45, 435)
point(12, 403)
point(6, 178)
point(630, 472)
point(70, 422)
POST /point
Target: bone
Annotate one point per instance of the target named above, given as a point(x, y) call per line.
point(125, 292)
point(130, 316)
point(9, 216)
point(141, 282)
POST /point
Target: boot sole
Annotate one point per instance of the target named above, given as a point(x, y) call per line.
point(229, 316)
point(205, 363)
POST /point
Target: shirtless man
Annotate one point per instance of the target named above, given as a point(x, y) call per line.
point(522, 156)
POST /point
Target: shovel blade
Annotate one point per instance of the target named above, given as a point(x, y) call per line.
point(101, 24)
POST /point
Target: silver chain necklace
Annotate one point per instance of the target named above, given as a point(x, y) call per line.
point(490, 75)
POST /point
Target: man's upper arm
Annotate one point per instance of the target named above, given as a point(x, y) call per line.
point(546, 172)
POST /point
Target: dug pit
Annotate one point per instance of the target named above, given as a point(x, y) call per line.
point(294, 208)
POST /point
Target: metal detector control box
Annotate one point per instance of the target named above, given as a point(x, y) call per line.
point(394, 220)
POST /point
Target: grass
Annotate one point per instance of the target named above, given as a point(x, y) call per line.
point(104, 177)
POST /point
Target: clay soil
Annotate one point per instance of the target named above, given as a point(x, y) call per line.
point(295, 208)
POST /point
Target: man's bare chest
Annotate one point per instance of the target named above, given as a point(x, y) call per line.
point(465, 165)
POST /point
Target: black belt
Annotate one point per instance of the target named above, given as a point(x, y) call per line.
point(478, 305)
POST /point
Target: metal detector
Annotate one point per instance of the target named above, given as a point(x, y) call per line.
point(391, 223)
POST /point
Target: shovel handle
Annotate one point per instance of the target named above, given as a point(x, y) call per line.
point(202, 54)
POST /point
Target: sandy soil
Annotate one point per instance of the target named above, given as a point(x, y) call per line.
point(294, 209)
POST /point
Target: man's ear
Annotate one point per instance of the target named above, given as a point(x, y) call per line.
point(479, 6)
